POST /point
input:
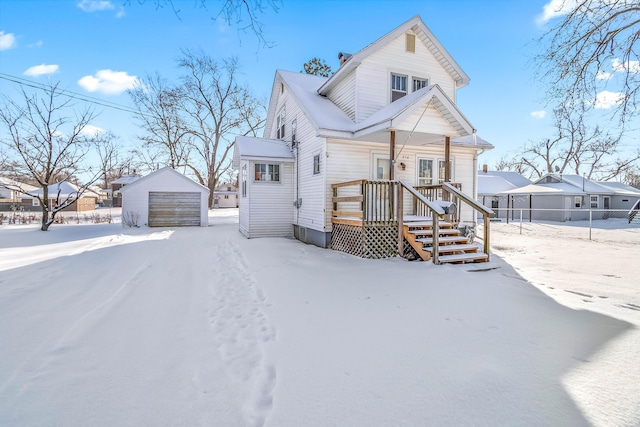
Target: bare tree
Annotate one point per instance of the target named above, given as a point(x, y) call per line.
point(592, 54)
point(577, 147)
point(244, 14)
point(114, 163)
point(160, 117)
point(317, 67)
point(218, 108)
point(48, 141)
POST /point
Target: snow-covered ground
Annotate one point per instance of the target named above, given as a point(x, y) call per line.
point(106, 326)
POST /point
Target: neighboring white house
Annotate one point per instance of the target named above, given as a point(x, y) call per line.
point(165, 198)
point(12, 196)
point(562, 197)
point(388, 113)
point(225, 196)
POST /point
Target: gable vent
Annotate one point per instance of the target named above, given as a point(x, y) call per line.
point(411, 43)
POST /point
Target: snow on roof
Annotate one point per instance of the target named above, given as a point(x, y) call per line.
point(579, 182)
point(127, 179)
point(560, 188)
point(511, 180)
point(489, 184)
point(249, 148)
point(161, 171)
point(620, 189)
point(12, 184)
point(330, 120)
point(66, 189)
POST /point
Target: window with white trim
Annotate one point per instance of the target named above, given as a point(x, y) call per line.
point(577, 201)
point(316, 164)
point(398, 86)
point(294, 130)
point(280, 124)
point(425, 171)
point(267, 172)
point(244, 181)
point(419, 83)
point(35, 202)
point(594, 202)
point(441, 170)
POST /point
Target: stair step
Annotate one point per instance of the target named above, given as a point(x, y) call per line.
point(426, 224)
point(444, 240)
point(465, 257)
point(429, 232)
point(468, 248)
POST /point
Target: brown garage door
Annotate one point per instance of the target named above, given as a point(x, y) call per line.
point(173, 209)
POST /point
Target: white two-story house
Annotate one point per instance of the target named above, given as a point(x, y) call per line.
point(334, 145)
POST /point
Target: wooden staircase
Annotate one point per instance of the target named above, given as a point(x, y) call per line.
point(452, 246)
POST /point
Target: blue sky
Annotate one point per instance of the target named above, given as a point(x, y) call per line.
point(98, 48)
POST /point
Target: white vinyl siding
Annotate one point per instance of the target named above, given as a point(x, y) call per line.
point(344, 95)
point(267, 209)
point(135, 197)
point(373, 74)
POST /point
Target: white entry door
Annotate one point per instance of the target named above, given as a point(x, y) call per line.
point(568, 206)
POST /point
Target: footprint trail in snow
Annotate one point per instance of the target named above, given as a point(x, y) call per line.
point(242, 331)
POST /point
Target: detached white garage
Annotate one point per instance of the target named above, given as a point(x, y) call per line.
point(165, 198)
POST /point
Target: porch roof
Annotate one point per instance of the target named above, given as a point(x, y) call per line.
point(331, 122)
point(249, 148)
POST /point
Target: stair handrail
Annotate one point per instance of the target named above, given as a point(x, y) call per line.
point(485, 211)
point(436, 209)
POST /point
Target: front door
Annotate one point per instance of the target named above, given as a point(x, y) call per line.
point(568, 205)
point(606, 202)
point(378, 200)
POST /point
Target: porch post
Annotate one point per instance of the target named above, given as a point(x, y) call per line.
point(392, 153)
point(447, 159)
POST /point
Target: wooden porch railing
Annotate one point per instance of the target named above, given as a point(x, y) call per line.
point(485, 211)
point(364, 203)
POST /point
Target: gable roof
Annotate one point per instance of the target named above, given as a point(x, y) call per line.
point(494, 182)
point(248, 148)
point(330, 121)
point(574, 185)
point(423, 33)
point(161, 171)
point(67, 190)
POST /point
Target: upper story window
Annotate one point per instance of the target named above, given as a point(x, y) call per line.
point(267, 172)
point(398, 86)
point(419, 83)
point(280, 124)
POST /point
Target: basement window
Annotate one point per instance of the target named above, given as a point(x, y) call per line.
point(398, 86)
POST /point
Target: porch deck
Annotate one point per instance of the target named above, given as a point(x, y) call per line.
point(371, 220)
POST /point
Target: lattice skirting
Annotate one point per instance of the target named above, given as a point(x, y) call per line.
point(368, 241)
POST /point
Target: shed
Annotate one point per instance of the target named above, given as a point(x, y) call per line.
point(165, 198)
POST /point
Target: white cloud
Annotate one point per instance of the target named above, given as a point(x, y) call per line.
point(36, 44)
point(603, 75)
point(540, 114)
point(632, 66)
point(7, 40)
point(605, 99)
point(108, 81)
point(90, 130)
point(95, 5)
point(554, 9)
point(41, 70)
point(120, 13)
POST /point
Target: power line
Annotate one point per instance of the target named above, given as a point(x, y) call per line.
point(70, 94)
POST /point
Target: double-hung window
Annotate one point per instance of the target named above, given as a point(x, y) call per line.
point(244, 181)
point(267, 172)
point(419, 83)
point(316, 164)
point(398, 86)
point(594, 202)
point(280, 124)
